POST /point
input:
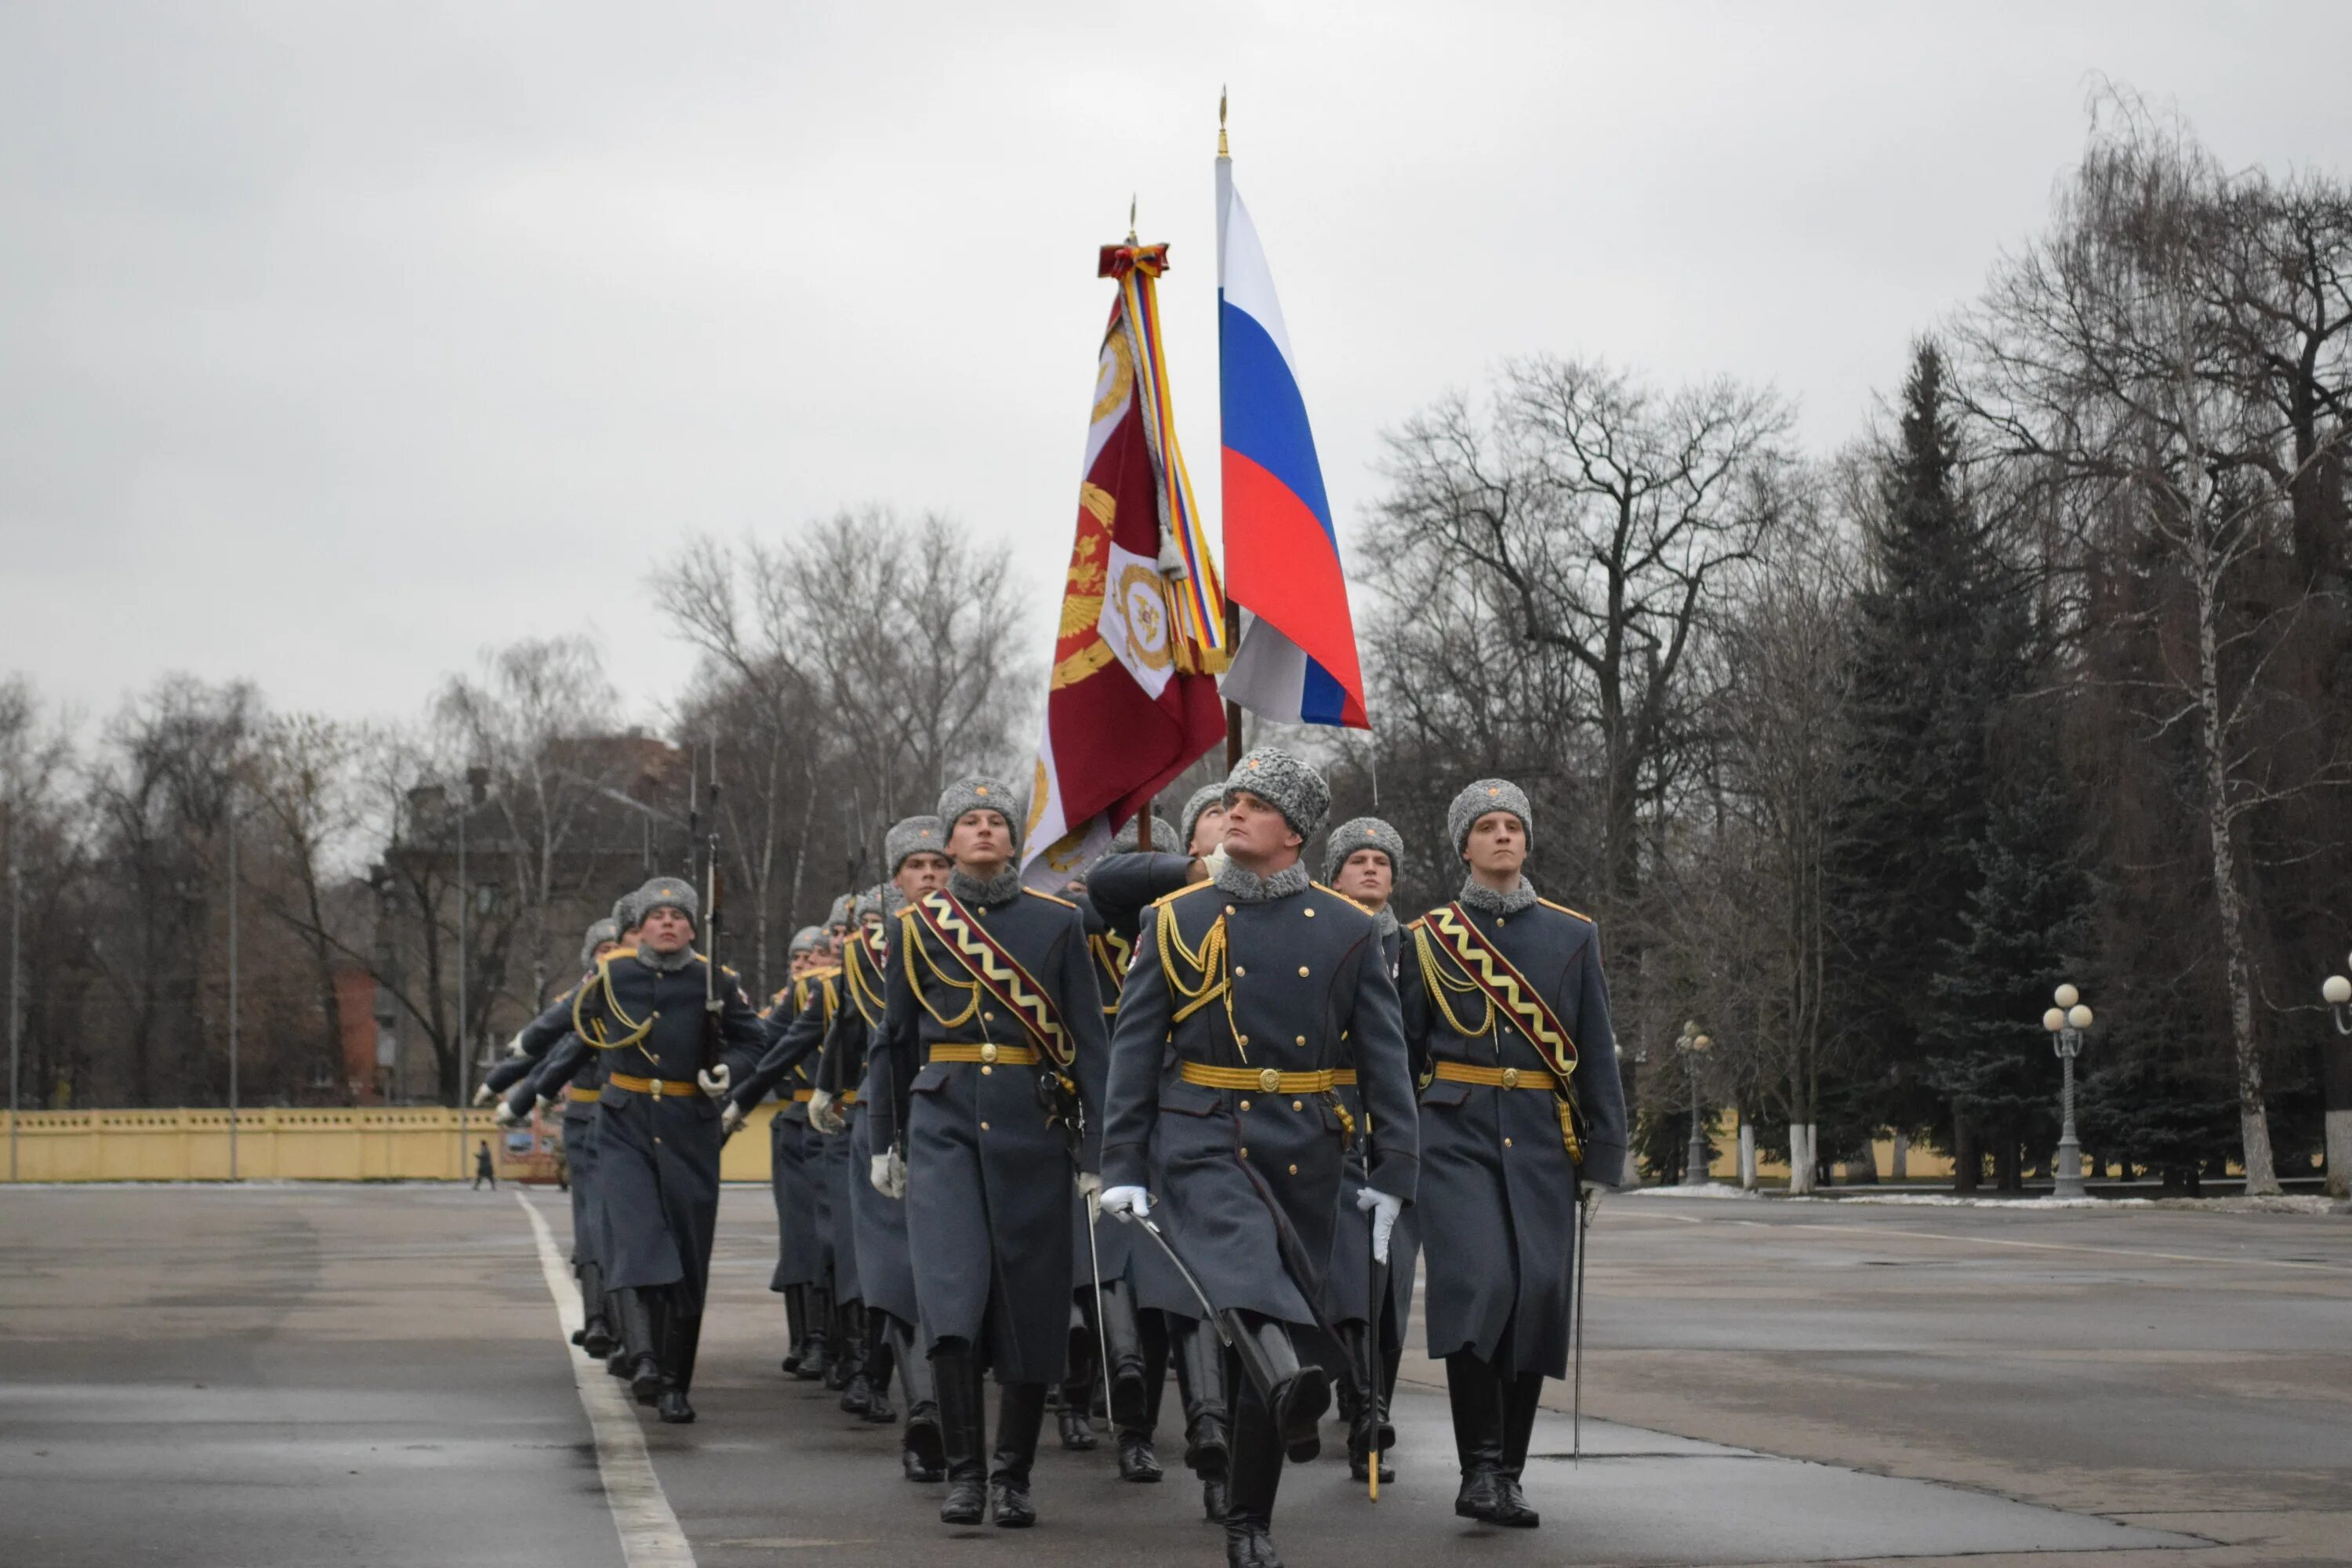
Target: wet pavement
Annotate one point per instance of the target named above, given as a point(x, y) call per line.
point(326, 1375)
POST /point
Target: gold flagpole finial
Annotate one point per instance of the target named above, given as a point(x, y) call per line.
point(1222, 151)
point(1130, 218)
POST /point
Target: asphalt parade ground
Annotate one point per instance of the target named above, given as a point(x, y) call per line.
point(300, 1375)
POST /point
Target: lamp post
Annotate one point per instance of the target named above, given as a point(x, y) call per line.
point(2335, 1067)
point(1694, 1048)
point(2066, 1023)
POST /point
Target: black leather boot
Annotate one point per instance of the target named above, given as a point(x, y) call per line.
point(1123, 1331)
point(1298, 1396)
point(596, 1335)
point(879, 1360)
point(857, 1386)
point(963, 1437)
point(1258, 1444)
point(1201, 1385)
point(1215, 1500)
point(1521, 1398)
point(814, 1348)
point(1020, 1414)
point(682, 1336)
point(1368, 1427)
point(920, 1455)
point(842, 1347)
point(1074, 1399)
point(1476, 1397)
point(1138, 1456)
point(795, 1325)
point(638, 1334)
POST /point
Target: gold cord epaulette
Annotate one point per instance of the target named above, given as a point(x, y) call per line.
point(1438, 983)
point(1343, 898)
point(1563, 909)
point(1187, 887)
point(593, 1030)
point(1050, 897)
point(911, 937)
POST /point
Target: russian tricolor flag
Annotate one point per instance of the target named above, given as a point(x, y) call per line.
point(1296, 661)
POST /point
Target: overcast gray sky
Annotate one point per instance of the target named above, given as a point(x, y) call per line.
point(339, 340)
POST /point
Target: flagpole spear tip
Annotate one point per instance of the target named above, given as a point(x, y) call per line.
point(1130, 218)
point(1222, 151)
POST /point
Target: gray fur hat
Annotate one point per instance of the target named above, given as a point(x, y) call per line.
point(1363, 833)
point(600, 932)
point(1481, 797)
point(869, 903)
point(838, 915)
point(624, 914)
point(912, 836)
point(1202, 800)
point(808, 939)
point(1284, 782)
point(665, 892)
point(1163, 837)
point(972, 795)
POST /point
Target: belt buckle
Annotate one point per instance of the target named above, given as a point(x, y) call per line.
point(1510, 1077)
point(1268, 1081)
point(987, 1052)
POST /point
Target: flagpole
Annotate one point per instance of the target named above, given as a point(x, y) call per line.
point(1232, 611)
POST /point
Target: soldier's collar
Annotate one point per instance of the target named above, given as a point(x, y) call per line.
point(665, 963)
point(1249, 888)
point(1477, 895)
point(1386, 920)
point(1001, 889)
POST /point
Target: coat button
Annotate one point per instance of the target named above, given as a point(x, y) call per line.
point(1294, 1170)
point(985, 1070)
point(1301, 1040)
point(1245, 1153)
point(1309, 913)
point(1244, 1105)
point(1239, 972)
point(1241, 1039)
point(1302, 972)
point(1298, 1105)
point(1229, 909)
point(988, 1017)
point(1506, 1142)
point(984, 1127)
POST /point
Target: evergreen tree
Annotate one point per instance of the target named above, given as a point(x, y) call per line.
point(1915, 777)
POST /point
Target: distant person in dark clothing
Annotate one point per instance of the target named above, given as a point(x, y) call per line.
point(483, 1170)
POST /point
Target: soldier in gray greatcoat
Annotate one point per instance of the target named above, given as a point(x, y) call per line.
point(992, 1047)
point(1361, 860)
point(1509, 1017)
point(673, 1036)
point(795, 1022)
point(1249, 994)
point(886, 1274)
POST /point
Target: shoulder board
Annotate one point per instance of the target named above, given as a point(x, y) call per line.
point(828, 972)
point(616, 952)
point(1049, 898)
point(1187, 887)
point(1563, 909)
point(1418, 922)
point(1343, 898)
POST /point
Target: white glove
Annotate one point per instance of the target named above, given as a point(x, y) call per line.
point(714, 1080)
point(822, 1116)
point(731, 1118)
point(546, 1104)
point(1123, 1202)
point(505, 1115)
point(1214, 862)
point(1090, 1189)
point(514, 1046)
point(889, 1174)
point(485, 1094)
point(1594, 1192)
point(1385, 1210)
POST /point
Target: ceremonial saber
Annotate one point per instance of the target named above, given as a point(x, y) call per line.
point(1102, 1331)
point(1583, 1238)
point(1208, 1312)
point(1373, 1311)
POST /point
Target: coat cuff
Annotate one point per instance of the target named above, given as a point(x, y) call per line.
point(1603, 1163)
point(1398, 1175)
point(1125, 1165)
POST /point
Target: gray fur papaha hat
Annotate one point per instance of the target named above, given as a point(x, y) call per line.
point(1363, 833)
point(601, 932)
point(625, 911)
point(977, 794)
point(1284, 782)
point(838, 915)
point(913, 836)
point(869, 902)
point(1163, 837)
point(666, 892)
point(1202, 799)
point(1480, 797)
point(808, 939)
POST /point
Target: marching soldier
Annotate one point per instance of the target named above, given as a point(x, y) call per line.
point(861, 1367)
point(1249, 992)
point(674, 1034)
point(796, 1017)
point(992, 1049)
point(1361, 860)
point(884, 1270)
point(1505, 1005)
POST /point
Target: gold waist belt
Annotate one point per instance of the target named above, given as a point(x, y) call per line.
point(573, 1092)
point(1343, 1077)
point(1495, 1077)
point(1264, 1081)
point(1011, 1055)
point(653, 1085)
point(802, 1096)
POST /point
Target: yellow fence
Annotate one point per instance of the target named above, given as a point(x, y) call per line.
point(366, 1144)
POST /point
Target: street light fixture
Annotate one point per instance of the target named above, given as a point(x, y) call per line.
point(2337, 990)
point(1694, 1048)
point(2066, 1023)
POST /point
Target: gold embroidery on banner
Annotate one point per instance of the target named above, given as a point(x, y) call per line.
point(1143, 606)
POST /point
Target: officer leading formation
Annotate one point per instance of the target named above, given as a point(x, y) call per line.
point(1194, 1112)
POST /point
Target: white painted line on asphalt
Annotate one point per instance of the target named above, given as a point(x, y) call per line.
point(650, 1536)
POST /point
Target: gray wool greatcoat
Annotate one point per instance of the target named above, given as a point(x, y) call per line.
point(573, 1067)
point(877, 1225)
point(1248, 1181)
point(987, 1177)
point(796, 1023)
point(1498, 1192)
point(1350, 1281)
point(658, 1155)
